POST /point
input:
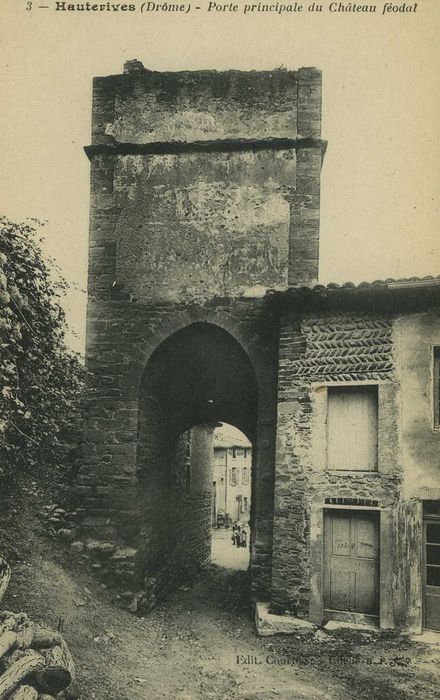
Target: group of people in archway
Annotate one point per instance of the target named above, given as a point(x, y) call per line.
point(239, 535)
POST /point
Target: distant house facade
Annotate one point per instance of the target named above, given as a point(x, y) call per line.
point(231, 479)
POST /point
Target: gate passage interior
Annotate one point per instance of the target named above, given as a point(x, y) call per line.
point(198, 376)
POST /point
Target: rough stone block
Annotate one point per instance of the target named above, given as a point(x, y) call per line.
point(77, 547)
point(268, 624)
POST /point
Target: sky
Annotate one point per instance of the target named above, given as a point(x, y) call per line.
point(381, 110)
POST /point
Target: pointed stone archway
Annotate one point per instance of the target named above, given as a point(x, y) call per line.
point(196, 377)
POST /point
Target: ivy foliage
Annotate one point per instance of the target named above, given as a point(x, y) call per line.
point(41, 380)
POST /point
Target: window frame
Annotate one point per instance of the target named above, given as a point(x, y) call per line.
point(359, 386)
point(436, 387)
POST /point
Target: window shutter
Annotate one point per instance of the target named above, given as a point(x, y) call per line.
point(352, 428)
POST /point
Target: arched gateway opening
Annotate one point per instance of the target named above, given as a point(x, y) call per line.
point(196, 379)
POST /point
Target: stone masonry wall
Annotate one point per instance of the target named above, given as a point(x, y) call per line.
point(316, 352)
point(123, 335)
point(184, 545)
point(197, 225)
point(145, 106)
point(244, 204)
point(196, 521)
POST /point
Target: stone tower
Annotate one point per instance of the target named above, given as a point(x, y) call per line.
point(204, 193)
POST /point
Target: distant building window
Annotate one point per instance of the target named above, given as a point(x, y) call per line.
point(352, 428)
point(187, 478)
point(437, 387)
point(245, 503)
point(233, 476)
point(245, 452)
point(245, 476)
point(234, 452)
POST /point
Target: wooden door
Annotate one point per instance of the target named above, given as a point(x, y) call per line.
point(351, 562)
point(432, 575)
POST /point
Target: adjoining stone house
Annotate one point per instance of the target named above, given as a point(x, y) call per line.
point(231, 475)
point(204, 195)
point(357, 488)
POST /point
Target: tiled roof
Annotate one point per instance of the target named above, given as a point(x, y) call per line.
point(390, 283)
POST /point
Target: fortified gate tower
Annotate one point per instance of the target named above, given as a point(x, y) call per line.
point(204, 194)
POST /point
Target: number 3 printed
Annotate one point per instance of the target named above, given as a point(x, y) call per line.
point(29, 6)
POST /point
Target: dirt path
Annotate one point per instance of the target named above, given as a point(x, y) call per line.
point(201, 643)
point(188, 648)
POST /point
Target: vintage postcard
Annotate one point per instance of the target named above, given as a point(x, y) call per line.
point(219, 350)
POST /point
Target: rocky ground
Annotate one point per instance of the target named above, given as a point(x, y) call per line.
point(201, 643)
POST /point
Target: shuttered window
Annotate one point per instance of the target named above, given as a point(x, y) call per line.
point(352, 428)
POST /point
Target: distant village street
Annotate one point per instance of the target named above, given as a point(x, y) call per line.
point(225, 554)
